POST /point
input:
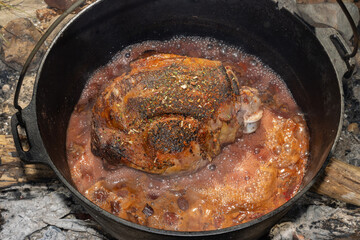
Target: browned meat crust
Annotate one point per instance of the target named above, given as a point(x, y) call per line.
point(170, 114)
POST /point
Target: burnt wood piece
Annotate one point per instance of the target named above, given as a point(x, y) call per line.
point(340, 181)
point(13, 171)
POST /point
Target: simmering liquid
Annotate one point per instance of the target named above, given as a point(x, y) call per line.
point(249, 178)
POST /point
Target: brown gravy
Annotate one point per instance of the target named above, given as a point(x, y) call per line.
point(251, 177)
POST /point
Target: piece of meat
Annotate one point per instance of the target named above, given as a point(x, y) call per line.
point(170, 114)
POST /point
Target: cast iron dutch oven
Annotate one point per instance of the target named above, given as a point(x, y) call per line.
point(261, 28)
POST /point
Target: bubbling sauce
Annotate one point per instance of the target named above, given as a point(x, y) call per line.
point(249, 178)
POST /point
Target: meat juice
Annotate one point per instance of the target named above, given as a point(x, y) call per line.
point(249, 178)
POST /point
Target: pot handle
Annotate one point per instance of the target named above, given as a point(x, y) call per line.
point(29, 147)
point(336, 47)
point(340, 46)
point(337, 50)
point(23, 117)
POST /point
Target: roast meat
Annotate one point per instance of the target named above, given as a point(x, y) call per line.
point(171, 114)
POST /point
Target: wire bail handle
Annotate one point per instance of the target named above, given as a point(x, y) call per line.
point(339, 46)
point(33, 53)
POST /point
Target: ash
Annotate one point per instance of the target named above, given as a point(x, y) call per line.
point(348, 146)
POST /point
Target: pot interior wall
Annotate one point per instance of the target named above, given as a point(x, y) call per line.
point(258, 27)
